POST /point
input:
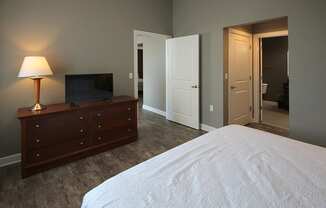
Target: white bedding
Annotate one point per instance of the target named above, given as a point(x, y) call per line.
point(230, 167)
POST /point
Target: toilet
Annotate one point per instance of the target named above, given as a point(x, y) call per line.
point(264, 88)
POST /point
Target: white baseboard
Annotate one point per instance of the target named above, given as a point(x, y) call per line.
point(154, 110)
point(206, 127)
point(9, 160)
point(203, 127)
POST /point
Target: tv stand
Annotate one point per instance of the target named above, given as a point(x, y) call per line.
point(63, 133)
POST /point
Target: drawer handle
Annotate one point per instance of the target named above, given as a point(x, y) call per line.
point(37, 126)
point(81, 131)
point(81, 118)
point(129, 119)
point(38, 141)
point(99, 115)
point(38, 155)
point(129, 130)
point(81, 143)
point(99, 126)
point(99, 138)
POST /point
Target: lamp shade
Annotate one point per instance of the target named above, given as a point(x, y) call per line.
point(35, 66)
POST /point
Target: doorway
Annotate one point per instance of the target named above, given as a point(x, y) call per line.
point(150, 70)
point(140, 59)
point(268, 75)
point(166, 76)
point(275, 82)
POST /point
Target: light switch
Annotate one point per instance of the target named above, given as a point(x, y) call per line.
point(131, 76)
point(211, 108)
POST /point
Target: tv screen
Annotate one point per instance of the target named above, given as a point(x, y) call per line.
point(89, 87)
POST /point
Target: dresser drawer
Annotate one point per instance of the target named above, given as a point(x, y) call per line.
point(114, 135)
point(61, 150)
point(116, 116)
point(37, 140)
point(53, 122)
point(102, 125)
point(116, 113)
point(50, 130)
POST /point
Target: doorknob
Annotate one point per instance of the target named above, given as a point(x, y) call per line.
point(194, 86)
point(232, 87)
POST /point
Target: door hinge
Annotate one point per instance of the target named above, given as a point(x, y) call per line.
point(250, 108)
point(250, 77)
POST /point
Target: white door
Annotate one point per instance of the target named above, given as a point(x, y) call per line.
point(182, 80)
point(240, 73)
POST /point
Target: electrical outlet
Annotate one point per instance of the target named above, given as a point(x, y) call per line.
point(131, 76)
point(211, 108)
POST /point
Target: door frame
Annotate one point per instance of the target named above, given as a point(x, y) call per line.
point(226, 86)
point(139, 33)
point(257, 70)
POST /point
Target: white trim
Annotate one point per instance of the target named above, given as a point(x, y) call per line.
point(207, 128)
point(154, 110)
point(144, 33)
point(9, 160)
point(280, 33)
point(229, 55)
point(256, 78)
point(136, 34)
point(240, 32)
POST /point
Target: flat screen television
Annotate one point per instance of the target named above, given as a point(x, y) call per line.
point(89, 87)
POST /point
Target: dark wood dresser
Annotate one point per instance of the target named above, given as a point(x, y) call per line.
point(63, 133)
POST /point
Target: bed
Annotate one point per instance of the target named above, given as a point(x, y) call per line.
point(234, 166)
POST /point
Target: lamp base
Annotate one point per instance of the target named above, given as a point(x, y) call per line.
point(38, 107)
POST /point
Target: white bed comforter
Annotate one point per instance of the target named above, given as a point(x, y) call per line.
point(233, 166)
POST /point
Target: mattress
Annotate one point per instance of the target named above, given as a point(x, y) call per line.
point(234, 166)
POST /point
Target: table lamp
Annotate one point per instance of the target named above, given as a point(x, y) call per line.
point(35, 67)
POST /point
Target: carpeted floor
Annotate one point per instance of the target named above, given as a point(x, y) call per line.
point(64, 187)
point(268, 128)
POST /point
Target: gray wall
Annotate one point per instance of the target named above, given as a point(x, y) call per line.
point(77, 36)
point(275, 72)
point(307, 41)
point(154, 72)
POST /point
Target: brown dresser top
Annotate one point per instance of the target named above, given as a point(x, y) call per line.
point(63, 107)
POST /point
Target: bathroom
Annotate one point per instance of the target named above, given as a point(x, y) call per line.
point(275, 82)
